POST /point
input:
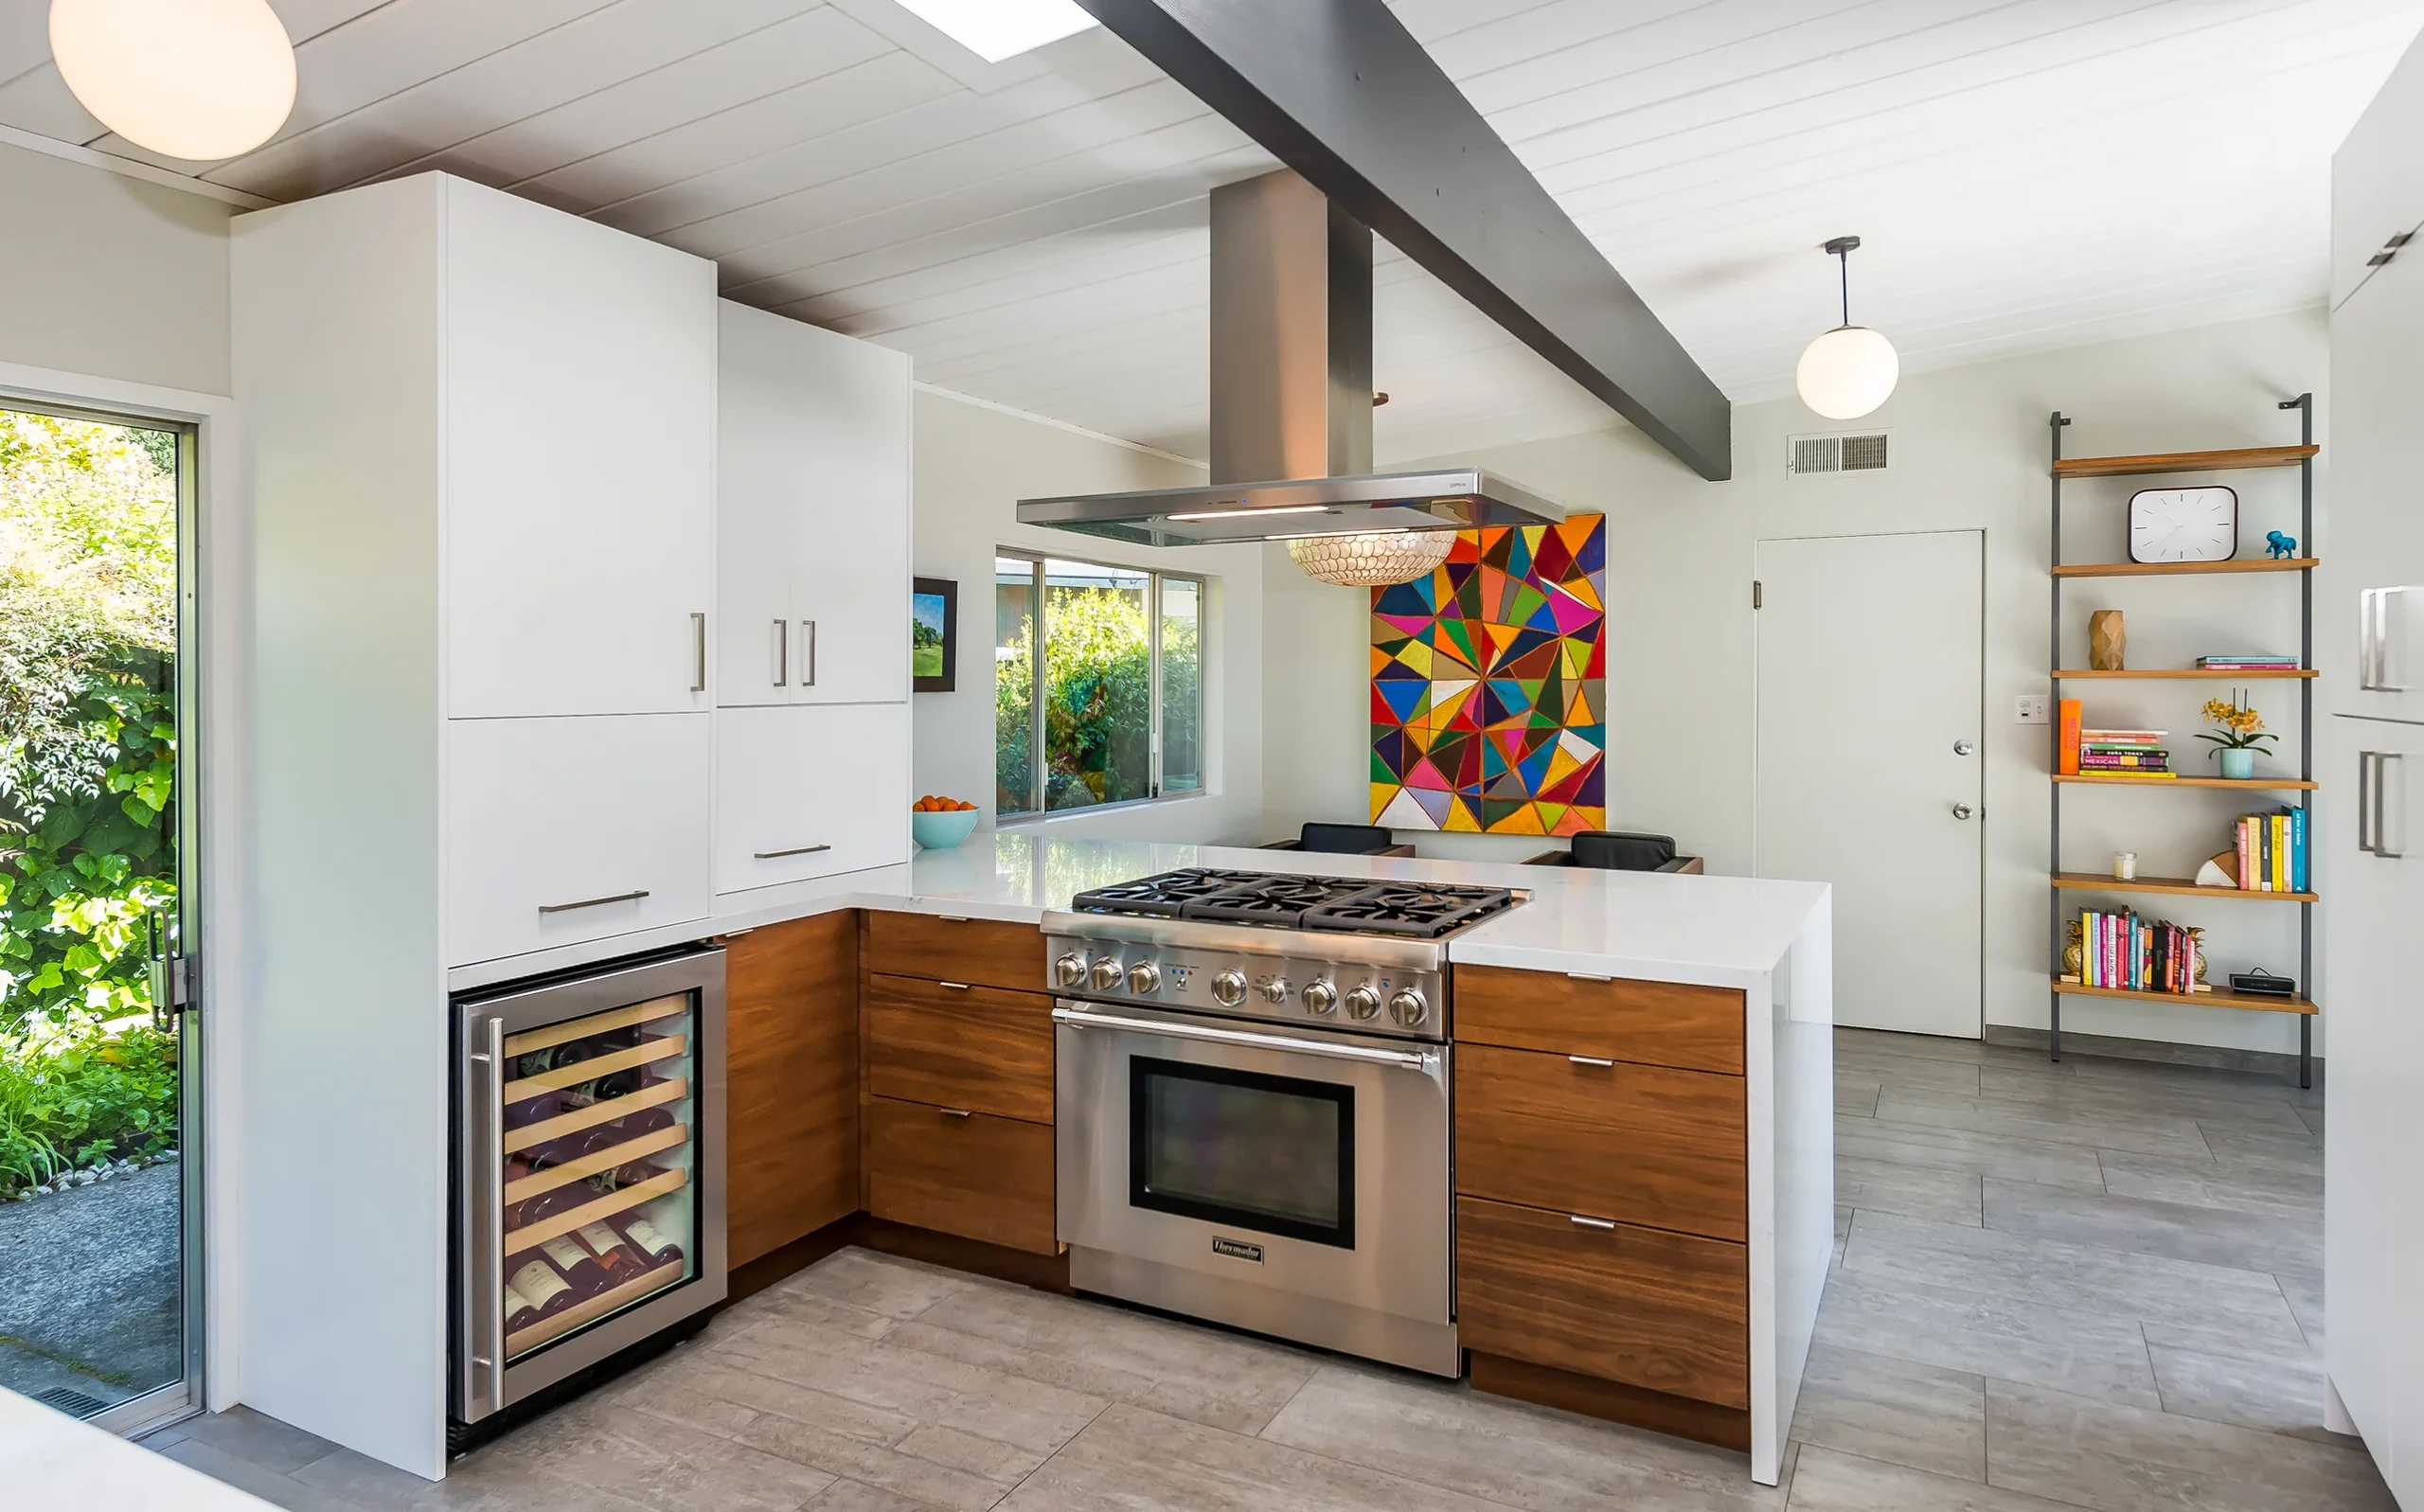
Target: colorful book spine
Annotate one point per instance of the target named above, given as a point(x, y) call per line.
point(2298, 882)
point(2066, 743)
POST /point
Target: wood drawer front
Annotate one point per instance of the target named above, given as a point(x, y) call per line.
point(1656, 1023)
point(1644, 1144)
point(976, 951)
point(1664, 1311)
point(974, 1048)
point(972, 1174)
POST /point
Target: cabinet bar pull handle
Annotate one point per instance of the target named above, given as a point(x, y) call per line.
point(782, 651)
point(953, 918)
point(2384, 846)
point(957, 987)
point(592, 902)
point(1604, 1224)
point(956, 1113)
point(699, 650)
point(1585, 976)
point(1592, 1061)
point(2365, 801)
point(796, 850)
point(808, 646)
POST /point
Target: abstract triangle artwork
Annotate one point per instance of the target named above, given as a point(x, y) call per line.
point(1525, 611)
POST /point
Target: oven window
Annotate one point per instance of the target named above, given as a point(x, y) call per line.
point(1274, 1154)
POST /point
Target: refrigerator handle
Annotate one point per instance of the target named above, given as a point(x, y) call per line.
point(488, 1220)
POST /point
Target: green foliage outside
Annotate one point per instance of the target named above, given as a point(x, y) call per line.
point(87, 764)
point(1098, 712)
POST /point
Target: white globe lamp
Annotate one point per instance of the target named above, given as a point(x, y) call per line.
point(1850, 370)
point(198, 80)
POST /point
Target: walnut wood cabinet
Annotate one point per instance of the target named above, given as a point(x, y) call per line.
point(792, 1068)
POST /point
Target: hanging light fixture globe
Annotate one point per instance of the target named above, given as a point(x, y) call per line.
point(198, 80)
point(1374, 559)
point(1850, 370)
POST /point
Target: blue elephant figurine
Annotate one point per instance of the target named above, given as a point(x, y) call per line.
point(2279, 545)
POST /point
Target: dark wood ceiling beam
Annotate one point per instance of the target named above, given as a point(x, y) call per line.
point(1340, 92)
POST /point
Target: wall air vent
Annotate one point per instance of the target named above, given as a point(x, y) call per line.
point(1860, 452)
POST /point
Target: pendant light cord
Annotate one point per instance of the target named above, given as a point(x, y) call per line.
point(1844, 259)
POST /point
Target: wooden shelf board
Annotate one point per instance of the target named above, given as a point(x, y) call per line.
point(603, 1160)
point(619, 1201)
point(2172, 569)
point(2187, 674)
point(597, 1112)
point(662, 1048)
point(556, 1034)
point(2235, 460)
point(2222, 997)
point(611, 1300)
point(2097, 882)
point(2250, 784)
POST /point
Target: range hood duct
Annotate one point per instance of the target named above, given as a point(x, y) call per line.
point(1292, 400)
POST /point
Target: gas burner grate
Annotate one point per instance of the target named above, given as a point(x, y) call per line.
point(1409, 909)
point(1343, 905)
point(1161, 895)
point(1274, 899)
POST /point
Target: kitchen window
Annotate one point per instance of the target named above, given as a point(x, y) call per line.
point(1097, 685)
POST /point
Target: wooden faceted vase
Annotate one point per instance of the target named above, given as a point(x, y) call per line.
point(2105, 641)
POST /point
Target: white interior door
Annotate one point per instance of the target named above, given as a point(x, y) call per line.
point(1869, 765)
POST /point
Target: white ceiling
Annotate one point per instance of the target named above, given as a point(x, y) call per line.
point(2025, 173)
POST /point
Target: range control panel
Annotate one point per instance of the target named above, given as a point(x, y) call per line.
point(1302, 989)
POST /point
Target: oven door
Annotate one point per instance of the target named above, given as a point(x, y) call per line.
point(1292, 1184)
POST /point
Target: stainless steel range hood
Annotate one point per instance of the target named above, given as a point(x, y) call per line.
point(1292, 400)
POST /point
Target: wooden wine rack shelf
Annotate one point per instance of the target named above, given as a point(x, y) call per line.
point(547, 1036)
point(622, 1199)
point(590, 1165)
point(594, 1308)
point(597, 1112)
point(663, 1048)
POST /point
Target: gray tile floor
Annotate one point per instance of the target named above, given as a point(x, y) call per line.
point(2095, 1285)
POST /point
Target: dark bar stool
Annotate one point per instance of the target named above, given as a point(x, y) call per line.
point(1606, 851)
point(1342, 839)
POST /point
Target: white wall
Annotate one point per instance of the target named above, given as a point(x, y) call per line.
point(111, 275)
point(1969, 452)
point(974, 462)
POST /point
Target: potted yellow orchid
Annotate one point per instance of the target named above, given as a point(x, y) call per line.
point(2242, 731)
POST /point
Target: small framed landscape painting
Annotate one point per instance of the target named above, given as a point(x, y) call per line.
point(934, 634)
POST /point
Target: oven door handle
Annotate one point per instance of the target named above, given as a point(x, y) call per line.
point(1426, 1062)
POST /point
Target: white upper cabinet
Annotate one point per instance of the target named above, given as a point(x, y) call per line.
point(579, 375)
point(2370, 595)
point(2375, 191)
point(810, 792)
point(813, 515)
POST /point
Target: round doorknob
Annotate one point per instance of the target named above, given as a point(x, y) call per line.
point(1144, 977)
point(1363, 1002)
point(1321, 998)
point(1408, 1009)
point(1962, 810)
point(1109, 973)
point(1965, 748)
point(1070, 970)
point(1229, 989)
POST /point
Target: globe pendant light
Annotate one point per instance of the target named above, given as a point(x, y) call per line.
point(1852, 369)
point(1371, 558)
point(199, 80)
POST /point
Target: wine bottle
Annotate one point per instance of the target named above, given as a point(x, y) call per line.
point(645, 1236)
point(620, 1260)
point(549, 1204)
point(574, 1264)
point(519, 1311)
point(533, 1110)
point(538, 1285)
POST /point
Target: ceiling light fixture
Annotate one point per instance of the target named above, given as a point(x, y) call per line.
point(995, 29)
point(1371, 558)
point(198, 80)
point(1852, 369)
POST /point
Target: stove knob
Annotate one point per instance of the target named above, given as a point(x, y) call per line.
point(1275, 990)
point(1229, 989)
point(1108, 974)
point(1363, 1002)
point(1070, 970)
point(1321, 998)
point(1144, 977)
point(1408, 1009)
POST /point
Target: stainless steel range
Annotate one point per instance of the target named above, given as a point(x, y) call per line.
point(1254, 1099)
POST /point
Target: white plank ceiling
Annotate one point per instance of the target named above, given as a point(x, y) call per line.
point(2025, 173)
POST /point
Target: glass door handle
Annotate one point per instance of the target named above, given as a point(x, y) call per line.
point(487, 1217)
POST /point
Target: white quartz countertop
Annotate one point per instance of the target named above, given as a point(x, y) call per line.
point(1720, 931)
point(50, 1461)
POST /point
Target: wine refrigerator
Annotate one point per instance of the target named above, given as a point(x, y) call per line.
point(588, 1174)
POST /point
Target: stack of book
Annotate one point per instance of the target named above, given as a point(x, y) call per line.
point(2124, 753)
point(2273, 851)
point(2135, 954)
point(2252, 662)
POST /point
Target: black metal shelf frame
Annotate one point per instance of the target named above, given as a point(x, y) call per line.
point(2303, 404)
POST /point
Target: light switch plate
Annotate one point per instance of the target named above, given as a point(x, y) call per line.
point(2030, 708)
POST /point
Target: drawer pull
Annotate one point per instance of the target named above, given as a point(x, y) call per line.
point(953, 918)
point(1599, 1061)
point(957, 987)
point(1604, 1224)
point(796, 850)
point(956, 1113)
point(592, 902)
point(1587, 976)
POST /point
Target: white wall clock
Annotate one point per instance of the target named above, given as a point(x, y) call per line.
point(2183, 525)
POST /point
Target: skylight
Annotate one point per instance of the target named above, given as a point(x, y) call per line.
point(995, 29)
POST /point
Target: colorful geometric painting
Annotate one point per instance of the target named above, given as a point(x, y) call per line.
point(1489, 685)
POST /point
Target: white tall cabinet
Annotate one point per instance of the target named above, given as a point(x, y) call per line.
point(514, 687)
point(2370, 625)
